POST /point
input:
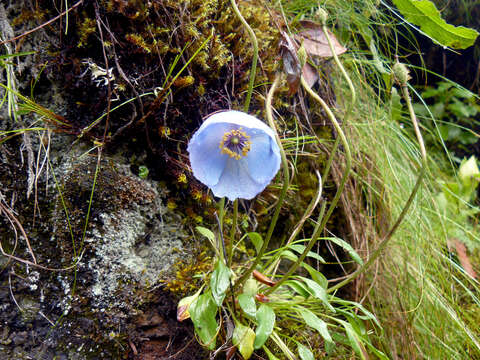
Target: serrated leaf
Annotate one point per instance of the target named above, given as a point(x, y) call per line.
point(219, 282)
point(247, 303)
point(256, 240)
point(203, 312)
point(266, 320)
point(348, 248)
point(243, 338)
point(304, 352)
point(424, 14)
point(315, 322)
point(317, 291)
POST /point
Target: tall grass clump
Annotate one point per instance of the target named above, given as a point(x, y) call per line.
point(425, 301)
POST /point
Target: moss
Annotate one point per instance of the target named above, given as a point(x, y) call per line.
point(86, 27)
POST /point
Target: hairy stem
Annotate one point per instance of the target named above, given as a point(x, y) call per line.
point(232, 232)
point(322, 220)
point(286, 180)
point(351, 104)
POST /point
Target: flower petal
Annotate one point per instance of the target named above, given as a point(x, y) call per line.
point(263, 158)
point(206, 158)
point(238, 118)
point(236, 182)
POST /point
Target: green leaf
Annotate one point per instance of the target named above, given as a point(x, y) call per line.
point(266, 321)
point(319, 292)
point(142, 172)
point(298, 287)
point(396, 105)
point(219, 282)
point(287, 254)
point(243, 338)
point(209, 235)
point(206, 232)
point(247, 303)
point(301, 248)
point(424, 14)
point(269, 354)
point(354, 339)
point(256, 240)
point(348, 248)
point(203, 312)
point(304, 352)
point(315, 322)
point(316, 275)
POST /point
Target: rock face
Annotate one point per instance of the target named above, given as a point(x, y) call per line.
point(85, 244)
point(103, 298)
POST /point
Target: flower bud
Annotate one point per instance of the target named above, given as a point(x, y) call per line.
point(322, 15)
point(469, 170)
point(401, 73)
point(302, 55)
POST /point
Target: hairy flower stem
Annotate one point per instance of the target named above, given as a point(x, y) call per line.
point(220, 243)
point(281, 197)
point(383, 244)
point(253, 69)
point(351, 104)
point(232, 232)
point(322, 220)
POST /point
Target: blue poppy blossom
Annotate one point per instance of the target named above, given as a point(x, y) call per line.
point(234, 154)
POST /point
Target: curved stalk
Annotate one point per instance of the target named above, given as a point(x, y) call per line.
point(286, 180)
point(275, 262)
point(253, 69)
point(351, 104)
point(383, 244)
point(322, 220)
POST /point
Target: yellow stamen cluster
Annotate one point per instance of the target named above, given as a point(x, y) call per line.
point(235, 143)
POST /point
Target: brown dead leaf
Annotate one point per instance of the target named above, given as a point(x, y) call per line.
point(315, 41)
point(310, 74)
point(464, 259)
point(262, 278)
point(291, 64)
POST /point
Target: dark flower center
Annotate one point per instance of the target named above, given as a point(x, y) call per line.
point(235, 143)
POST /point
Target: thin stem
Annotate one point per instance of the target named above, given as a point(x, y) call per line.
point(221, 214)
point(232, 232)
point(311, 243)
point(306, 215)
point(383, 244)
point(322, 220)
point(351, 104)
point(253, 69)
point(286, 180)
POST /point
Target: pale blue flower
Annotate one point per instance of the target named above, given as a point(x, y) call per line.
point(234, 154)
